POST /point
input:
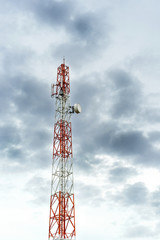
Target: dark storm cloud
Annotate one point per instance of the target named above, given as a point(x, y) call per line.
point(83, 25)
point(22, 93)
point(120, 174)
point(126, 94)
point(88, 35)
point(9, 136)
point(98, 97)
point(136, 194)
point(15, 153)
point(53, 12)
point(25, 120)
point(120, 79)
point(130, 143)
point(83, 162)
point(13, 59)
point(87, 31)
point(86, 93)
point(112, 139)
point(32, 96)
point(154, 136)
point(133, 145)
point(50, 12)
point(118, 97)
point(28, 97)
point(88, 28)
point(38, 138)
point(68, 15)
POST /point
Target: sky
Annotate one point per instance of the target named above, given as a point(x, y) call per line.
point(113, 51)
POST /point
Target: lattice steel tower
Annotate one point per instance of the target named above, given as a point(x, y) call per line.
point(62, 207)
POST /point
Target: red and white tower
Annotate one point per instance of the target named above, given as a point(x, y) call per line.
point(62, 206)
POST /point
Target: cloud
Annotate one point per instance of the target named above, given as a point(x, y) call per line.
point(154, 136)
point(135, 194)
point(126, 94)
point(71, 17)
point(155, 200)
point(83, 31)
point(120, 173)
point(14, 61)
point(86, 37)
point(129, 143)
point(140, 231)
point(53, 12)
point(83, 26)
point(26, 121)
point(9, 136)
point(89, 194)
point(33, 98)
point(15, 153)
point(106, 127)
point(39, 188)
point(151, 115)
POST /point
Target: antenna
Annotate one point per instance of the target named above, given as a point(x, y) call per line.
point(63, 59)
point(62, 207)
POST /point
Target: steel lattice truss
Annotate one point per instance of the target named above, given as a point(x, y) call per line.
point(62, 208)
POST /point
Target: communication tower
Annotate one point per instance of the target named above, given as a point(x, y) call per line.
point(62, 206)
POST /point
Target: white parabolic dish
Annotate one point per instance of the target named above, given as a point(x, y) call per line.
point(77, 108)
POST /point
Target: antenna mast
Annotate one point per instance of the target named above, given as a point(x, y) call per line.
point(62, 207)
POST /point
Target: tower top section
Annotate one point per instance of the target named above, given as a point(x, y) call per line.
point(62, 86)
